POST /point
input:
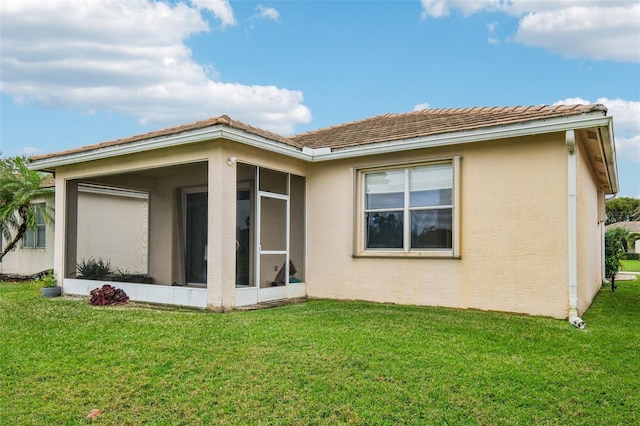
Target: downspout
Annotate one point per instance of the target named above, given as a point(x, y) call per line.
point(572, 225)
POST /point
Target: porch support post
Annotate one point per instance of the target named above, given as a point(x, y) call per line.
point(221, 254)
point(66, 228)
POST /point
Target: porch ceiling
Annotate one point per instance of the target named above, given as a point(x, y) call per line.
point(141, 179)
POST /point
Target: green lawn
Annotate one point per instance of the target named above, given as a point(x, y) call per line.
point(319, 362)
point(630, 265)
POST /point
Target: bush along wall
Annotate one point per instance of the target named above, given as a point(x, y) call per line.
point(612, 252)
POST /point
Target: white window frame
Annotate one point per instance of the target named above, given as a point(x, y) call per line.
point(360, 226)
point(34, 232)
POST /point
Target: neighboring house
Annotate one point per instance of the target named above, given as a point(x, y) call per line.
point(484, 208)
point(112, 225)
point(34, 253)
point(631, 226)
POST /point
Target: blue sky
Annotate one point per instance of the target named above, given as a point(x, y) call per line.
point(79, 72)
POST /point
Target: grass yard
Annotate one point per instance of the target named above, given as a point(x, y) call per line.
point(630, 265)
point(319, 362)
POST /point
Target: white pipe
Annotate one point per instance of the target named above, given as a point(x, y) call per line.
point(572, 225)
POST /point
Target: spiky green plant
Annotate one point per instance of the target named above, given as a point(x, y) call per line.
point(92, 269)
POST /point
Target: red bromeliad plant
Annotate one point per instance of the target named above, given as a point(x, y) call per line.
point(108, 295)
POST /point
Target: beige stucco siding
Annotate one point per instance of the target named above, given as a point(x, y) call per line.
point(164, 174)
point(513, 235)
point(26, 261)
point(590, 217)
point(134, 169)
point(111, 226)
point(512, 232)
point(514, 226)
point(114, 228)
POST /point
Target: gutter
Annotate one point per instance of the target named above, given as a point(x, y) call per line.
point(572, 226)
point(215, 132)
point(326, 153)
point(478, 135)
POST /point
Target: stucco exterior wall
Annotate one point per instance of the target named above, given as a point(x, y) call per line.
point(513, 234)
point(590, 218)
point(27, 261)
point(114, 228)
point(131, 171)
point(163, 174)
point(513, 212)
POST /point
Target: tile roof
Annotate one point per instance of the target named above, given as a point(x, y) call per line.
point(381, 128)
point(48, 182)
point(390, 127)
point(171, 131)
point(631, 226)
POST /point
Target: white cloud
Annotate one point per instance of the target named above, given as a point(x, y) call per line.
point(262, 13)
point(586, 29)
point(629, 148)
point(268, 13)
point(599, 33)
point(440, 8)
point(220, 8)
point(130, 58)
point(30, 150)
point(626, 123)
point(492, 27)
point(422, 106)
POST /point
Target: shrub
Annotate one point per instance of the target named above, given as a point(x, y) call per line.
point(122, 275)
point(630, 256)
point(92, 269)
point(47, 279)
point(612, 252)
point(108, 295)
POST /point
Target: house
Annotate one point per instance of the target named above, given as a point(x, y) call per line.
point(631, 226)
point(121, 237)
point(485, 208)
point(34, 253)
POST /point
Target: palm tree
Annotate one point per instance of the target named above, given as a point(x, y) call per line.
point(626, 238)
point(19, 189)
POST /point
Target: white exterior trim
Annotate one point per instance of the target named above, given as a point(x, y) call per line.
point(478, 135)
point(162, 294)
point(114, 191)
point(325, 153)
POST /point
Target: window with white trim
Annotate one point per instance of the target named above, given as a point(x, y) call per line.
point(36, 238)
point(410, 209)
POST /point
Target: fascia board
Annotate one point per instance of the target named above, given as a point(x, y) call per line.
point(264, 143)
point(215, 132)
point(325, 154)
point(609, 149)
